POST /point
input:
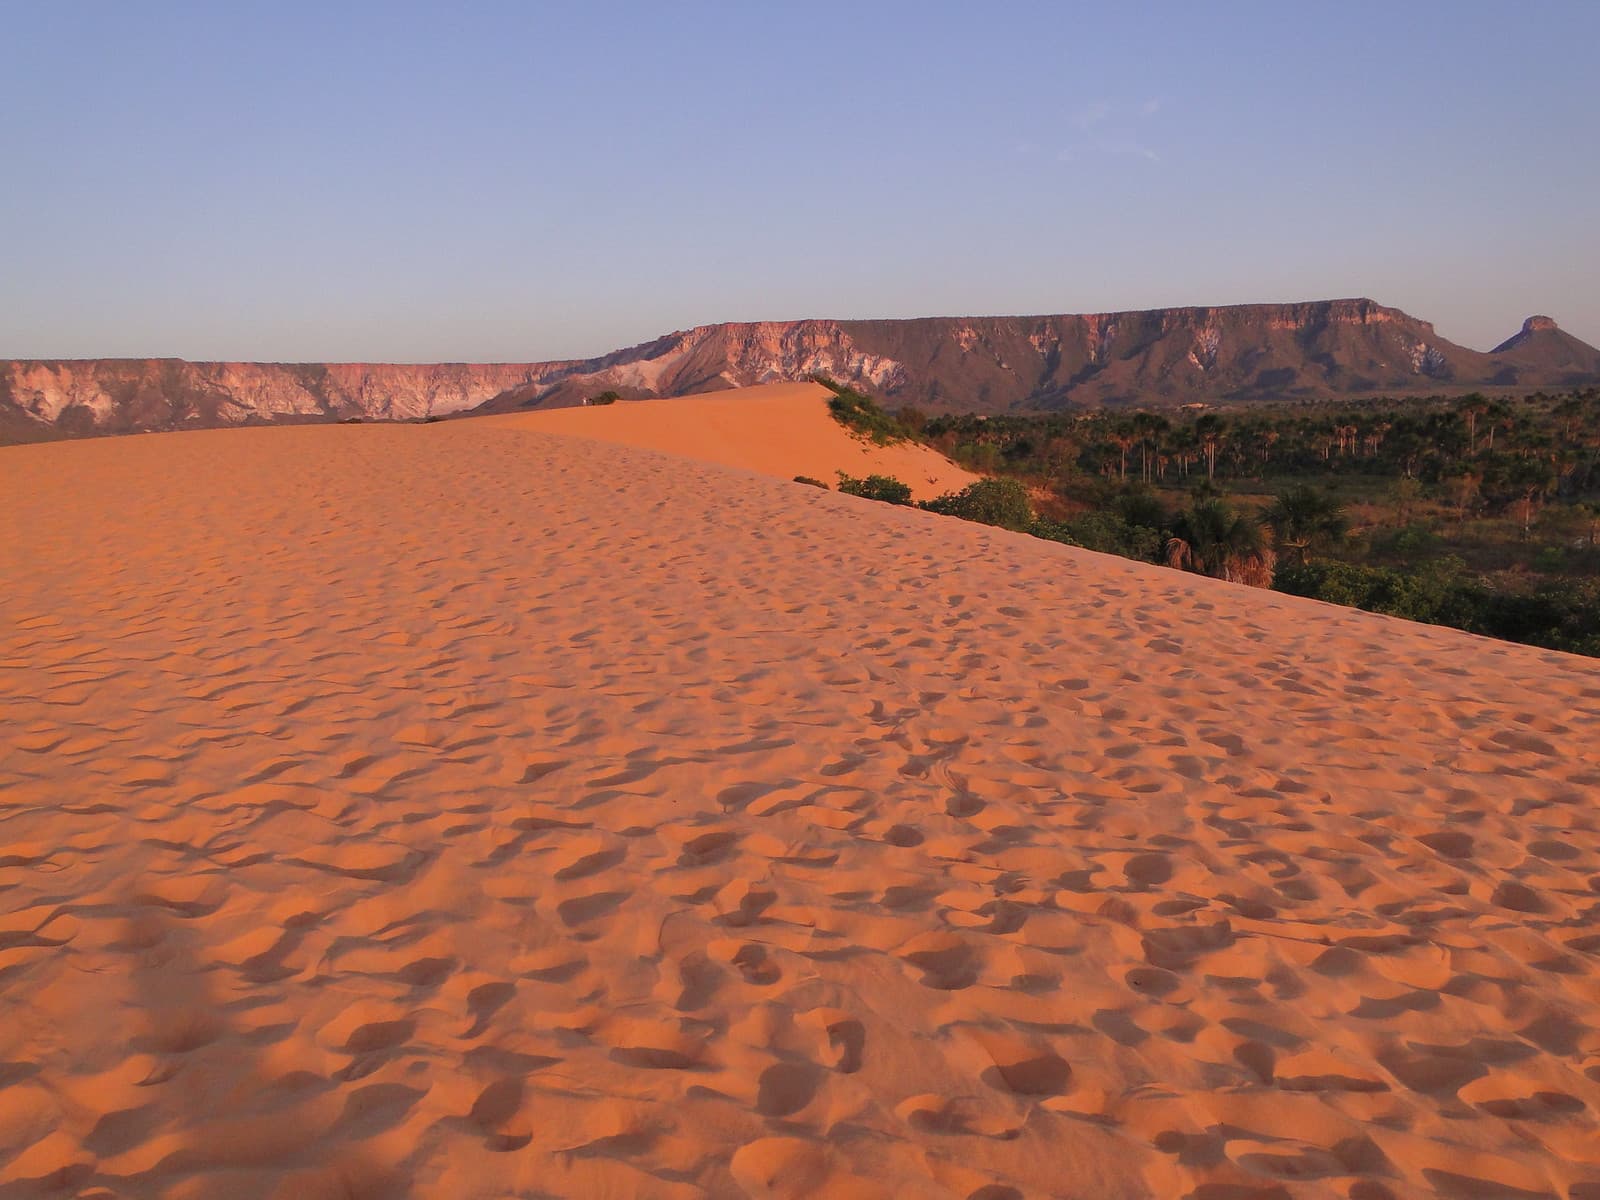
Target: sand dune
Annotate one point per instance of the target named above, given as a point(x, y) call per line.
point(780, 429)
point(464, 811)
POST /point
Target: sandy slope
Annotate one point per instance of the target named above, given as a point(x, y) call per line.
point(460, 811)
point(780, 429)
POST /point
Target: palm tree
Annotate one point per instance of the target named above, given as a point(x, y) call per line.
point(1208, 429)
point(1148, 427)
point(1532, 478)
point(1123, 438)
point(1211, 539)
point(1500, 417)
point(1303, 517)
point(1464, 488)
point(1570, 412)
point(1269, 439)
point(1472, 407)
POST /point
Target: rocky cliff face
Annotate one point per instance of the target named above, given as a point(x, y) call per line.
point(122, 395)
point(712, 357)
point(980, 364)
point(997, 364)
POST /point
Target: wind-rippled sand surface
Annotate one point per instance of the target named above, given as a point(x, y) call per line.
point(461, 811)
point(780, 429)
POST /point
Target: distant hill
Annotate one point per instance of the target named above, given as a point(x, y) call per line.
point(1165, 356)
point(1544, 348)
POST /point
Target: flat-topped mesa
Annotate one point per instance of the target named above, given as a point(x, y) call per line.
point(1297, 315)
point(125, 395)
point(1161, 357)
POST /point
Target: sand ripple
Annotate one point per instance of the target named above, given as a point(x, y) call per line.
point(461, 811)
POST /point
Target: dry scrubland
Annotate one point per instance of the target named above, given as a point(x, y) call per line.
point(461, 810)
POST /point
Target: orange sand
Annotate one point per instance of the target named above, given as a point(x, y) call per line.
point(462, 811)
point(780, 429)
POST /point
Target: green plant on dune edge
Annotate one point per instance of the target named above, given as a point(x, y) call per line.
point(885, 488)
point(861, 415)
point(1000, 502)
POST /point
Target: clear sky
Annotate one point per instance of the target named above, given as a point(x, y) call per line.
point(518, 181)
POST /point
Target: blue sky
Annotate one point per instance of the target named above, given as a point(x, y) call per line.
point(510, 181)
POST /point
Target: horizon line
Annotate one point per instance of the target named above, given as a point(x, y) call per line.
point(520, 362)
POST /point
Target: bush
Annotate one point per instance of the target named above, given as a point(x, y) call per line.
point(913, 420)
point(1563, 615)
point(1550, 560)
point(1002, 502)
point(861, 415)
point(1409, 541)
point(1054, 531)
point(806, 479)
point(1137, 506)
point(1437, 593)
point(603, 398)
point(1105, 533)
point(876, 487)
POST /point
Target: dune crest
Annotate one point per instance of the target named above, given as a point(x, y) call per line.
point(778, 429)
point(461, 810)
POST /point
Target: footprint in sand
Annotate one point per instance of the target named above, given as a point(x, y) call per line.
point(757, 967)
point(947, 963)
point(494, 1113)
point(786, 1088)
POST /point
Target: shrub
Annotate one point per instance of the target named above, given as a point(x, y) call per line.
point(806, 479)
point(1002, 502)
point(1437, 593)
point(861, 415)
point(1409, 541)
point(1054, 531)
point(603, 398)
point(1137, 506)
point(913, 420)
point(1104, 532)
point(876, 487)
point(1550, 560)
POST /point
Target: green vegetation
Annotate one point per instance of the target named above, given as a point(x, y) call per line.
point(876, 487)
point(1475, 513)
point(806, 479)
point(1304, 518)
point(603, 398)
point(1211, 537)
point(861, 415)
point(1560, 615)
point(1002, 502)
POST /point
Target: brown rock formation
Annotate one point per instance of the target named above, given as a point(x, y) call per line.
point(1164, 356)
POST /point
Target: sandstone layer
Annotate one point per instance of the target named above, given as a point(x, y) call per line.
point(1170, 356)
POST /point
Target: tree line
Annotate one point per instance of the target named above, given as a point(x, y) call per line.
point(1479, 513)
